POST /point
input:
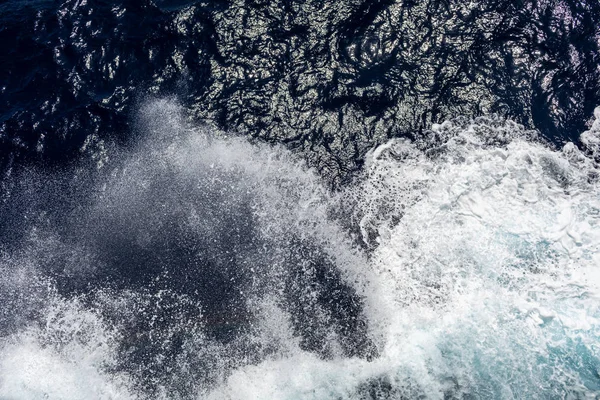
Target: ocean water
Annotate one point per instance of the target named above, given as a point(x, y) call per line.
point(330, 80)
point(299, 200)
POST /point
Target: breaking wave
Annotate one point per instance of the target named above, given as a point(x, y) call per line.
point(461, 264)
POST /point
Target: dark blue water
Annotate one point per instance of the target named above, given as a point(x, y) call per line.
point(329, 79)
point(180, 169)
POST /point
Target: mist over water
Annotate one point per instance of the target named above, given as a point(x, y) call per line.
point(460, 264)
point(195, 253)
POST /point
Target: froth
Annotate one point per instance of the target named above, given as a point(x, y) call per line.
point(494, 253)
point(68, 354)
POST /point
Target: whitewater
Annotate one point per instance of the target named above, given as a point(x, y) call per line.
point(463, 264)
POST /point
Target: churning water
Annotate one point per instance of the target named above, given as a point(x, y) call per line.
point(249, 199)
point(463, 263)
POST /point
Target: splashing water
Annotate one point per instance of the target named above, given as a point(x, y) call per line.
point(464, 264)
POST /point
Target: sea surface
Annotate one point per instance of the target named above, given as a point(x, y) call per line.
point(312, 199)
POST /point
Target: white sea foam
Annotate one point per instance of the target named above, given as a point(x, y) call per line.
point(481, 276)
point(67, 355)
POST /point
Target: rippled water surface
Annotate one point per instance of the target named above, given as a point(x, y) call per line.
point(329, 79)
point(299, 200)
